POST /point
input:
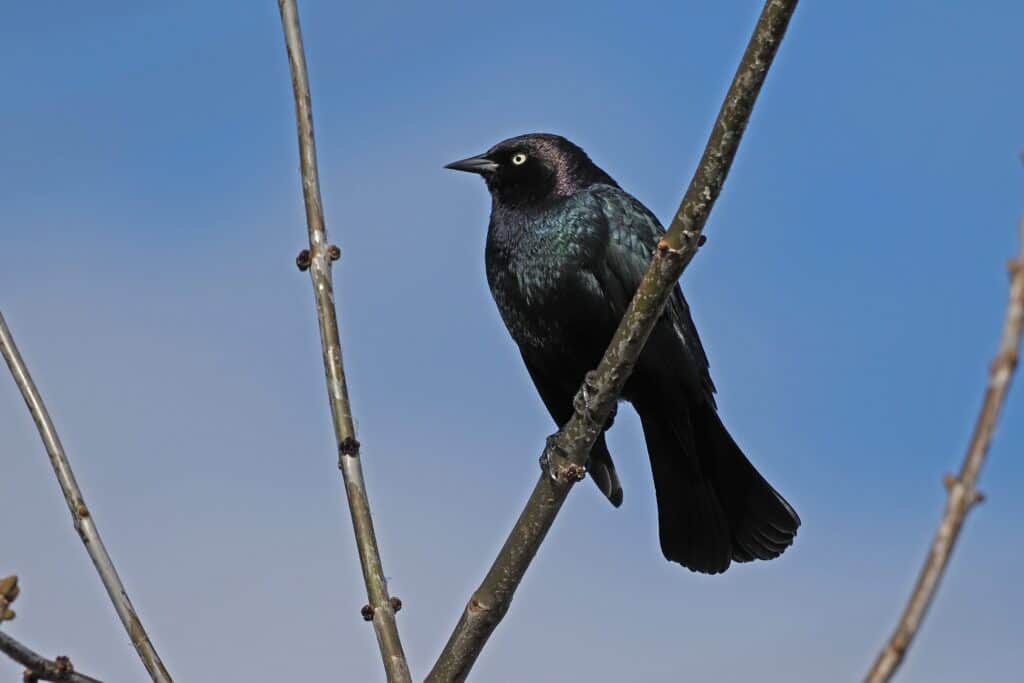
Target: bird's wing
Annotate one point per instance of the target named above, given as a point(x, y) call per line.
point(633, 235)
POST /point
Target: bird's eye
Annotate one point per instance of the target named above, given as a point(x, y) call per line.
point(519, 159)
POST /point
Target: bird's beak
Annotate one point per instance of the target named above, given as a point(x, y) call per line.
point(479, 164)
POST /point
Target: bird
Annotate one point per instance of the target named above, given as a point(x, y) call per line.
point(565, 251)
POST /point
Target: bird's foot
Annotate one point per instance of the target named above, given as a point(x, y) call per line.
point(584, 400)
point(557, 465)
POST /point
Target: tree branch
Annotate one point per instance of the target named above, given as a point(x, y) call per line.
point(962, 493)
point(80, 515)
point(381, 609)
point(567, 451)
point(37, 667)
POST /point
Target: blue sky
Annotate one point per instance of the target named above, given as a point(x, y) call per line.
point(849, 296)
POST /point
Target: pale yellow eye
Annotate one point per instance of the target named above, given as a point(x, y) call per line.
point(519, 159)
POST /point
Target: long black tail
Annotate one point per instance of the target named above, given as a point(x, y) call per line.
point(713, 506)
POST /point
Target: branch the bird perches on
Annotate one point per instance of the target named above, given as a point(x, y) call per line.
point(566, 451)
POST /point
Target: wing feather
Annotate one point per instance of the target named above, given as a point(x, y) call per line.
point(633, 235)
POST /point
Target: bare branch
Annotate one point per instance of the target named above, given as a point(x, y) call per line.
point(318, 261)
point(37, 667)
point(962, 492)
point(80, 514)
point(567, 451)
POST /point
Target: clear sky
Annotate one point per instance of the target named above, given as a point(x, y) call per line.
point(849, 296)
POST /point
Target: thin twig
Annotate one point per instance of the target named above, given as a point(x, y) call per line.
point(962, 492)
point(567, 451)
point(318, 260)
point(38, 667)
point(80, 514)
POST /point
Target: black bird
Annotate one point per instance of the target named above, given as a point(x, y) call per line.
point(566, 249)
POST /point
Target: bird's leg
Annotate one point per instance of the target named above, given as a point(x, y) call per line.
point(583, 402)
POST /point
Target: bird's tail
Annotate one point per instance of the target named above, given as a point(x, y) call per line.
point(713, 506)
point(602, 471)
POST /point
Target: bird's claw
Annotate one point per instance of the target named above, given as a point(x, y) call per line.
point(584, 400)
point(557, 465)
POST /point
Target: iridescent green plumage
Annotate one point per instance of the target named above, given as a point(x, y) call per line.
point(566, 250)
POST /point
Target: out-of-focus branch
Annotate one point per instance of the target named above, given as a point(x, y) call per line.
point(567, 451)
point(381, 608)
point(37, 667)
point(80, 514)
point(962, 492)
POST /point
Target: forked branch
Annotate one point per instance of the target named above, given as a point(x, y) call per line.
point(381, 609)
point(962, 489)
point(80, 515)
point(37, 667)
point(567, 451)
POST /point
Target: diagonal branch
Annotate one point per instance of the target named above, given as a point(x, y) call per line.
point(381, 608)
point(82, 518)
point(962, 493)
point(567, 451)
point(37, 667)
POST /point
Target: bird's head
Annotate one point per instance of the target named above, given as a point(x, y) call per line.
point(533, 169)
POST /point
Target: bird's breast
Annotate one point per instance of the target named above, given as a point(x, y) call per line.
point(540, 269)
point(545, 298)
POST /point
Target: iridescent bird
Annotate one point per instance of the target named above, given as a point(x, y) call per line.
point(566, 250)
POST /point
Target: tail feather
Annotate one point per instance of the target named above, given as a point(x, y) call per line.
point(692, 525)
point(602, 471)
point(713, 506)
point(763, 524)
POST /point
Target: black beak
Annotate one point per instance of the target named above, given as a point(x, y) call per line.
point(481, 165)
